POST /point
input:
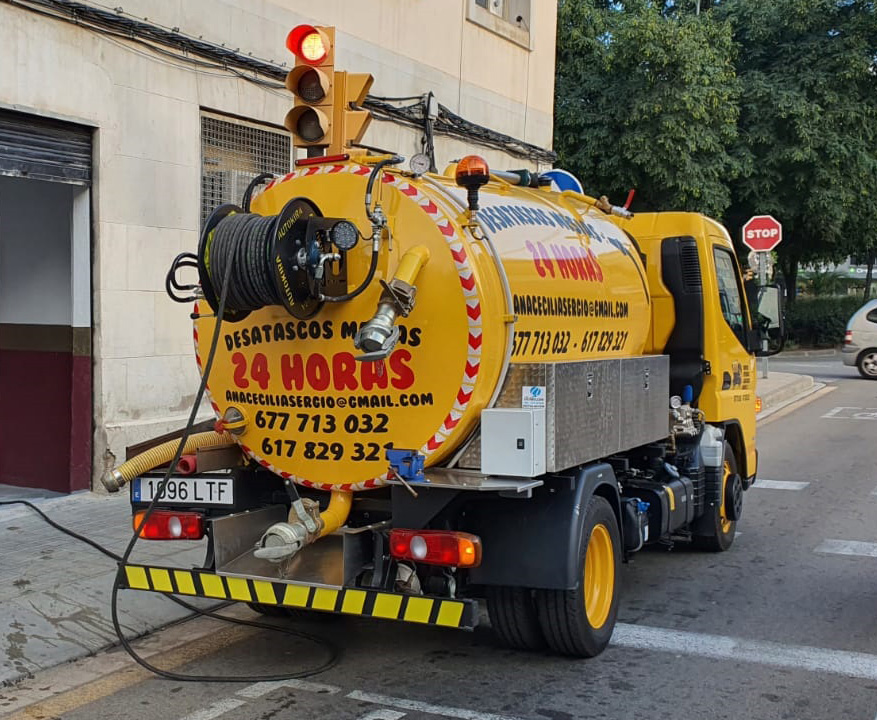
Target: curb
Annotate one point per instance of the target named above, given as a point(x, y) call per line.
point(789, 395)
point(826, 352)
point(800, 386)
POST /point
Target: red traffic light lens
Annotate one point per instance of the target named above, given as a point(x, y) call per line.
point(308, 44)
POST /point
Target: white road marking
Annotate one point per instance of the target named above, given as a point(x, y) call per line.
point(719, 647)
point(874, 491)
point(780, 484)
point(846, 412)
point(259, 689)
point(848, 547)
point(383, 714)
point(423, 707)
point(220, 707)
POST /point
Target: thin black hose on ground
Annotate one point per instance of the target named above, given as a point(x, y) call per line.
point(331, 650)
point(67, 531)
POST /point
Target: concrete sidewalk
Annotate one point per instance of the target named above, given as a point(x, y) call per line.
point(55, 591)
point(780, 388)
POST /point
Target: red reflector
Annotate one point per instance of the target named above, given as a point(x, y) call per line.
point(322, 159)
point(170, 525)
point(436, 547)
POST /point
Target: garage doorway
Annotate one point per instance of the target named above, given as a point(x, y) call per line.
point(46, 411)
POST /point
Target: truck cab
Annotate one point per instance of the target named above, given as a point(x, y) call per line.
point(701, 319)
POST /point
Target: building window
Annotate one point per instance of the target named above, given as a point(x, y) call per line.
point(508, 18)
point(233, 152)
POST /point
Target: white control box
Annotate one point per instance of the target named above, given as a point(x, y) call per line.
point(513, 442)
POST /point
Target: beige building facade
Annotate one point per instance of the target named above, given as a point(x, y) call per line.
point(172, 133)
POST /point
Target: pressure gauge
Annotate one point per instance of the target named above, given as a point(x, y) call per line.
point(419, 163)
point(344, 235)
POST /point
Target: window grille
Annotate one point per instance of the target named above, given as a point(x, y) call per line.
point(233, 152)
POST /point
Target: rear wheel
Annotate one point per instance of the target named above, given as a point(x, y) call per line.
point(867, 364)
point(513, 617)
point(721, 529)
point(580, 622)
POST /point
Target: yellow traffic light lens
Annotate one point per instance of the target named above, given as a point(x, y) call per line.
point(312, 47)
point(309, 128)
point(310, 87)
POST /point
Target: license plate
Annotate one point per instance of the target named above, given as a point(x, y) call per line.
point(185, 490)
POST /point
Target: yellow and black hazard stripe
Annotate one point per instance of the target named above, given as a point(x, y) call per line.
point(348, 601)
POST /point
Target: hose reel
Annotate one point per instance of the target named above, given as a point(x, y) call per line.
point(296, 259)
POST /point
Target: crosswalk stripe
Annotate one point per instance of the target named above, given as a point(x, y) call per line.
point(720, 647)
point(780, 484)
point(855, 548)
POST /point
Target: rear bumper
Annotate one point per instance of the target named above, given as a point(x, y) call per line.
point(849, 353)
point(461, 614)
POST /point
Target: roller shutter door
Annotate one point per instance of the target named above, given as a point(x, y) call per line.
point(44, 149)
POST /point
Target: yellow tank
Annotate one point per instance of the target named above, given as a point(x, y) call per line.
point(569, 285)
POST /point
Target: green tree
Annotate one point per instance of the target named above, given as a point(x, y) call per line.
point(808, 127)
point(647, 98)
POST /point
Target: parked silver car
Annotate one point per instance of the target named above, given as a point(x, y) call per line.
point(860, 343)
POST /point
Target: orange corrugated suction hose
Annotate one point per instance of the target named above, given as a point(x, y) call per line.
point(161, 455)
point(335, 515)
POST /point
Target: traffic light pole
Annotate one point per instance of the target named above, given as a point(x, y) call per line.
point(762, 281)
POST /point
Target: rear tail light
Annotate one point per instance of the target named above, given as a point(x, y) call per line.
point(436, 547)
point(170, 525)
point(848, 337)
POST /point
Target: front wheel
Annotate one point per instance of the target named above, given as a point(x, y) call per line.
point(579, 622)
point(720, 528)
point(867, 364)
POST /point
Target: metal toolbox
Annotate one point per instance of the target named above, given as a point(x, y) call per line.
point(593, 409)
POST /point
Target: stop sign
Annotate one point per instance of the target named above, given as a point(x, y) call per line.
point(762, 233)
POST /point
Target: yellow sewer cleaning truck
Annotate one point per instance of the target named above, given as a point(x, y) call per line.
point(432, 389)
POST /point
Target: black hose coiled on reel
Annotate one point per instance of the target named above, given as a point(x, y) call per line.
point(244, 241)
point(260, 255)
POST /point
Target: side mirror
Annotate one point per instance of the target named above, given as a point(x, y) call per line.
point(769, 321)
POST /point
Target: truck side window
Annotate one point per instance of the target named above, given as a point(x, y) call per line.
point(729, 293)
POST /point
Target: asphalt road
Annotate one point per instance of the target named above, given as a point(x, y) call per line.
point(782, 626)
point(826, 369)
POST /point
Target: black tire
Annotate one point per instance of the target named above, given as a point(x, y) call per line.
point(866, 363)
point(563, 614)
point(721, 531)
point(513, 617)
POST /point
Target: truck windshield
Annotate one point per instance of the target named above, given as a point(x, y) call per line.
point(730, 293)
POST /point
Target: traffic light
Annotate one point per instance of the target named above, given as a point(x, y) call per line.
point(351, 89)
point(312, 81)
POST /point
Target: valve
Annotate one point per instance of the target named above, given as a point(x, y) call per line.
point(378, 336)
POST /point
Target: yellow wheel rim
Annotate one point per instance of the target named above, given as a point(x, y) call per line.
point(723, 515)
point(599, 576)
